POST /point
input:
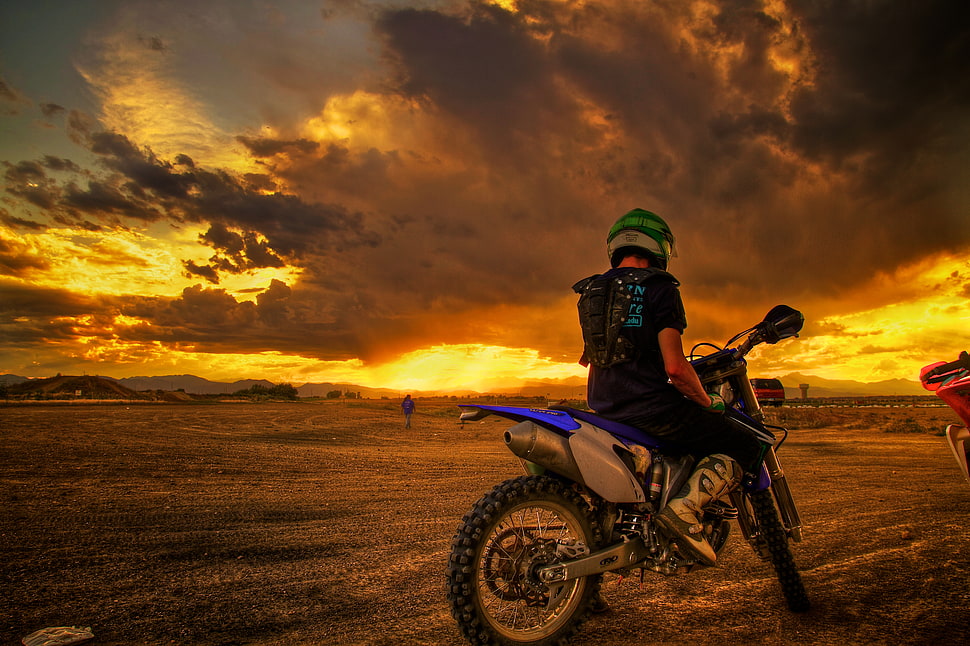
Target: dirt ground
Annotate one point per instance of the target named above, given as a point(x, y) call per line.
point(328, 523)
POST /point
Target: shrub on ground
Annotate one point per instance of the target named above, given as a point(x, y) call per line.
point(807, 417)
point(904, 425)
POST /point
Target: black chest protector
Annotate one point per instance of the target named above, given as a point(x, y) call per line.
point(604, 308)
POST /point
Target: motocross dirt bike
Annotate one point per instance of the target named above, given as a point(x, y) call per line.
point(951, 382)
point(528, 559)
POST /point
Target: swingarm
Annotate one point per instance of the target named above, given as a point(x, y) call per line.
point(620, 555)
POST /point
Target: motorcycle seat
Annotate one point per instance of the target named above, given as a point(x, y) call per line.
point(624, 431)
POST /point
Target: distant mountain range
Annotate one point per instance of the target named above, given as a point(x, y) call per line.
point(198, 386)
point(819, 387)
point(572, 388)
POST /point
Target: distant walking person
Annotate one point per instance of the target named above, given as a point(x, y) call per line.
point(408, 407)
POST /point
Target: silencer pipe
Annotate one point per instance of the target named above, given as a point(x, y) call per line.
point(546, 448)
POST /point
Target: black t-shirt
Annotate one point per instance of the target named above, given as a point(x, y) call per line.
point(640, 388)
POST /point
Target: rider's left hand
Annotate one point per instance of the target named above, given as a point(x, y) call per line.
point(717, 404)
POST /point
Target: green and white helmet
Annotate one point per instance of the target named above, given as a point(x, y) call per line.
point(644, 231)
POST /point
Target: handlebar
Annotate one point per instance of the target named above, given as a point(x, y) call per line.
point(782, 322)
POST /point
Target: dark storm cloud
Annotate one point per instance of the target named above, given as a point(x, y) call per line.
point(291, 226)
point(890, 108)
point(20, 223)
point(36, 302)
point(51, 110)
point(486, 69)
point(141, 167)
point(11, 100)
point(212, 320)
point(249, 229)
point(548, 123)
point(24, 173)
point(266, 147)
point(17, 260)
point(101, 199)
point(58, 164)
point(66, 201)
point(208, 272)
point(892, 75)
point(238, 252)
point(37, 316)
point(197, 313)
point(28, 180)
point(721, 144)
point(273, 303)
point(6, 92)
point(153, 43)
point(209, 320)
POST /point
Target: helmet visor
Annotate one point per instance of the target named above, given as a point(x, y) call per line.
point(661, 246)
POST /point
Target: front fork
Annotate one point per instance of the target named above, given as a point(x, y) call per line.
point(783, 498)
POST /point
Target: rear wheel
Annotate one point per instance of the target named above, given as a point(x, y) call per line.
point(519, 527)
point(776, 540)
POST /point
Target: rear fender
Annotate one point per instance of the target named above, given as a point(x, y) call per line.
point(552, 419)
point(578, 450)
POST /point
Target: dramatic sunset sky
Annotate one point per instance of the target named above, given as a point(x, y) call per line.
point(401, 193)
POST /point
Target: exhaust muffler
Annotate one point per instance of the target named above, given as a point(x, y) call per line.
point(539, 445)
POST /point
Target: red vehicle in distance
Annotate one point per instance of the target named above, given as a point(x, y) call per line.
point(769, 391)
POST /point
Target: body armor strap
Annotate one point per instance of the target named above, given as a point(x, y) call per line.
point(604, 308)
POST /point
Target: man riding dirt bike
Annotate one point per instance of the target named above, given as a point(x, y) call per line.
point(632, 319)
point(648, 482)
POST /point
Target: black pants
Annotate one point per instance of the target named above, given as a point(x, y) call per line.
point(688, 428)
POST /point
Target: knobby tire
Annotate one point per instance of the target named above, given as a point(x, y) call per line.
point(510, 532)
point(776, 537)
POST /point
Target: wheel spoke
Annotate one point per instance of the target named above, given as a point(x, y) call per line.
point(511, 593)
point(506, 540)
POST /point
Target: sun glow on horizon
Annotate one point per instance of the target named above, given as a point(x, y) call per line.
point(927, 321)
point(886, 340)
point(470, 367)
point(441, 368)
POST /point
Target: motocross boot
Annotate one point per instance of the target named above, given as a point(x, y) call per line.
point(714, 477)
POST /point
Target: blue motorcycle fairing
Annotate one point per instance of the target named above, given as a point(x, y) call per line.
point(565, 420)
point(763, 435)
point(621, 430)
point(751, 425)
point(763, 481)
point(627, 434)
point(551, 419)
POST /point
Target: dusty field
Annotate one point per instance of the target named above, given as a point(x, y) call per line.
point(327, 523)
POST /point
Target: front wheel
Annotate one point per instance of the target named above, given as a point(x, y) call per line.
point(520, 526)
point(776, 539)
